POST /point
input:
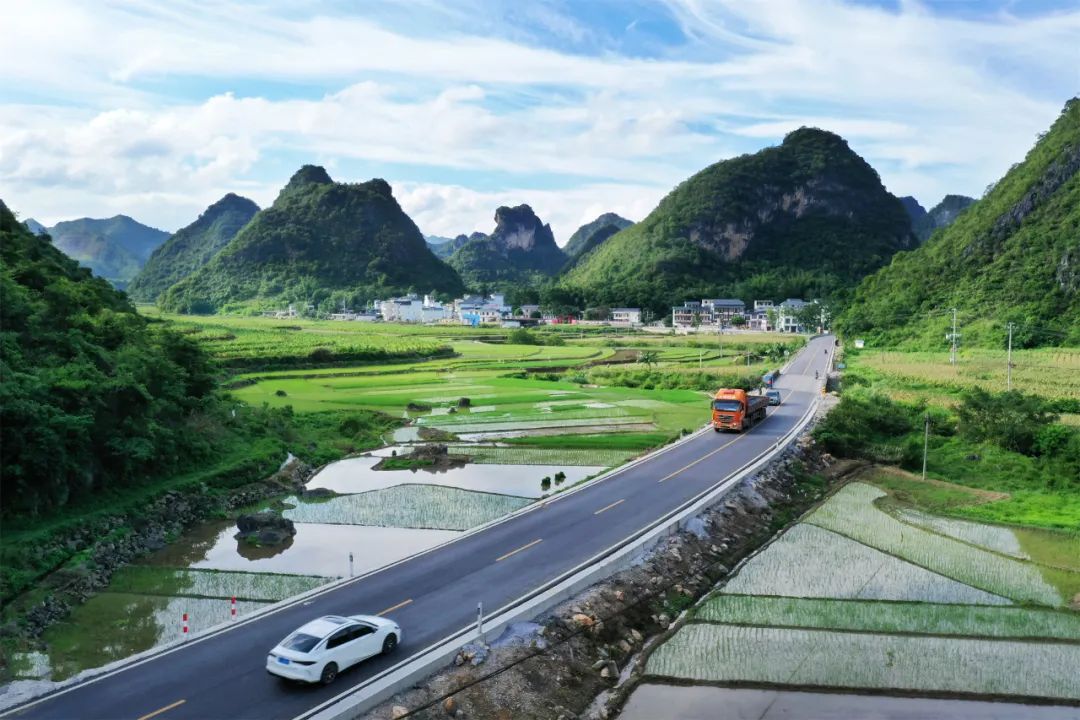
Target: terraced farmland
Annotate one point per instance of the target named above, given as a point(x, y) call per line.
point(862, 595)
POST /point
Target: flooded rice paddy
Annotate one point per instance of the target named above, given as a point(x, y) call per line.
point(380, 517)
point(356, 475)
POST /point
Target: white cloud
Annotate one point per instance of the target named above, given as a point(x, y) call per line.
point(935, 104)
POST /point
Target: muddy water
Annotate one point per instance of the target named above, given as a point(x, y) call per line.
point(315, 549)
point(355, 475)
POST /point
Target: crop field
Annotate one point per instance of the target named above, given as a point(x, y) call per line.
point(851, 512)
point(433, 507)
point(988, 537)
point(866, 594)
point(803, 562)
point(500, 403)
point(706, 652)
point(211, 583)
point(1050, 372)
point(892, 617)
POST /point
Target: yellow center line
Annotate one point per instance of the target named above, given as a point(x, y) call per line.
point(701, 459)
point(605, 509)
point(157, 712)
point(515, 552)
point(392, 608)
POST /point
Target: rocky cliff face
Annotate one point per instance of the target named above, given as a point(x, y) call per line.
point(521, 246)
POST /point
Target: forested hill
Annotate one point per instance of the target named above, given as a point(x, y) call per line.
point(1013, 256)
point(806, 218)
point(192, 247)
point(322, 243)
point(592, 234)
point(93, 397)
point(520, 249)
point(114, 248)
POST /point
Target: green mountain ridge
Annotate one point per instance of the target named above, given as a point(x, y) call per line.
point(804, 218)
point(521, 249)
point(1013, 256)
point(192, 247)
point(321, 243)
point(592, 234)
point(114, 248)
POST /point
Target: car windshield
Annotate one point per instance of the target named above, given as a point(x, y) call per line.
point(300, 642)
point(727, 405)
point(773, 393)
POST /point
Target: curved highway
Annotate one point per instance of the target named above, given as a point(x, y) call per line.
point(432, 595)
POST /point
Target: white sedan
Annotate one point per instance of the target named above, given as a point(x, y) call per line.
point(321, 649)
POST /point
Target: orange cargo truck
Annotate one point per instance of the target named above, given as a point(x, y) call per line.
point(734, 409)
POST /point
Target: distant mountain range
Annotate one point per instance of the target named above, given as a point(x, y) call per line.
point(924, 223)
point(320, 243)
point(115, 248)
point(521, 248)
point(1012, 256)
point(803, 219)
point(444, 247)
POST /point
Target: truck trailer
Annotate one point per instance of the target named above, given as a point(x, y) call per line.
point(734, 409)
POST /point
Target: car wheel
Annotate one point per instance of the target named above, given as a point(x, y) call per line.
point(389, 644)
point(329, 674)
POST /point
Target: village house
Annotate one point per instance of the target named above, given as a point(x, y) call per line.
point(625, 316)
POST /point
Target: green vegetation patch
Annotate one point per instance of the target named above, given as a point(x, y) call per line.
point(706, 652)
point(433, 507)
point(892, 617)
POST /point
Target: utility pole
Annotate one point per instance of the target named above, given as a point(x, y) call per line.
point(952, 338)
point(1008, 362)
point(925, 444)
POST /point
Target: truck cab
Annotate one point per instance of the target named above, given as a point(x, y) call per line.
point(735, 409)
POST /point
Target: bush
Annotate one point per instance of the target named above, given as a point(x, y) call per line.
point(545, 484)
point(1011, 420)
point(870, 426)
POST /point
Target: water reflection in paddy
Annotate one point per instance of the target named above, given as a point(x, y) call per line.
point(316, 549)
point(355, 475)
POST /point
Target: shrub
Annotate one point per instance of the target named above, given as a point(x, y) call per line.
point(1011, 420)
point(545, 484)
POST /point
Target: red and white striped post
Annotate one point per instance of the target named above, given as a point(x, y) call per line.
point(233, 608)
point(185, 634)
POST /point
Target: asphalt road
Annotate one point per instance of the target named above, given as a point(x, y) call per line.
point(433, 595)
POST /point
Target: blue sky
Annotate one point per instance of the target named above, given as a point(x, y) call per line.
point(155, 109)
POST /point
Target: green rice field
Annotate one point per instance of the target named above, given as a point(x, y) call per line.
point(716, 653)
point(867, 593)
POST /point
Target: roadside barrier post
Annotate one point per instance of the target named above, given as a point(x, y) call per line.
point(232, 609)
point(350, 565)
point(185, 631)
point(480, 620)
